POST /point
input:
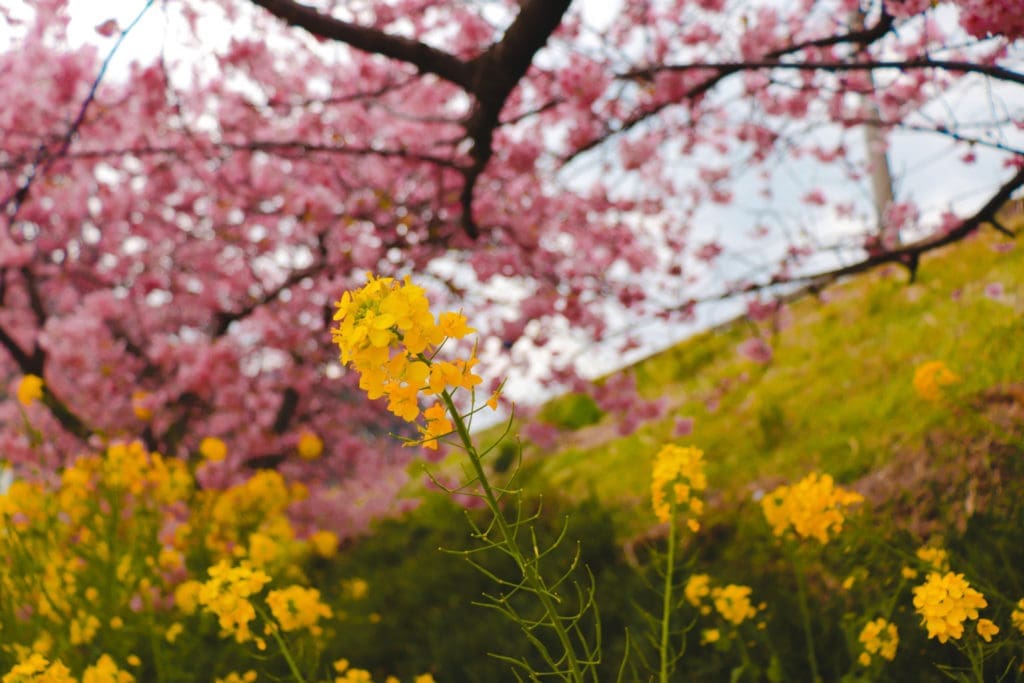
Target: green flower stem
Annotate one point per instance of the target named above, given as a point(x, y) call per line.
point(666, 604)
point(805, 613)
point(276, 633)
point(529, 569)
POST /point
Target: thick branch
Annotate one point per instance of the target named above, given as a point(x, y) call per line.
point(496, 73)
point(425, 58)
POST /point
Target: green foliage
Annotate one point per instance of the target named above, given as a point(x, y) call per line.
point(424, 598)
point(571, 411)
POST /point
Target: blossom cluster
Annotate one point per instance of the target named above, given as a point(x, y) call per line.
point(122, 553)
point(812, 508)
point(879, 637)
point(678, 474)
point(945, 602)
point(387, 333)
point(731, 602)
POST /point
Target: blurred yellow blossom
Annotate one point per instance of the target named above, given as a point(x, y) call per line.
point(310, 446)
point(677, 476)
point(140, 406)
point(213, 449)
point(296, 607)
point(38, 669)
point(987, 629)
point(186, 596)
point(944, 603)
point(710, 635)
point(879, 637)
point(30, 389)
point(247, 677)
point(324, 543)
point(1017, 616)
point(698, 587)
point(227, 595)
point(106, 671)
point(936, 557)
point(813, 507)
point(733, 603)
point(930, 377)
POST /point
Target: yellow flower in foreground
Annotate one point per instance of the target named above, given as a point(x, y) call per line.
point(310, 446)
point(879, 637)
point(987, 629)
point(678, 474)
point(813, 507)
point(213, 449)
point(30, 389)
point(1017, 616)
point(387, 333)
point(930, 377)
point(945, 602)
point(296, 607)
point(733, 603)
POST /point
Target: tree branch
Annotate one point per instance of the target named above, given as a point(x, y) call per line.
point(996, 72)
point(424, 57)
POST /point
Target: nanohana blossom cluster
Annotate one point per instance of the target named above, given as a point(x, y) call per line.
point(945, 602)
point(813, 507)
point(677, 476)
point(879, 637)
point(387, 333)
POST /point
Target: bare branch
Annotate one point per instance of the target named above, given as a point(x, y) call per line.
point(993, 71)
point(425, 58)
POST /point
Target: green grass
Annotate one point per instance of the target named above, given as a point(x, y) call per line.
point(837, 396)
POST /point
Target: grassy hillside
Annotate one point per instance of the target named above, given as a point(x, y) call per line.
point(837, 394)
point(836, 397)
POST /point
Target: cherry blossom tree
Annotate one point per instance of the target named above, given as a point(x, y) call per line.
point(174, 238)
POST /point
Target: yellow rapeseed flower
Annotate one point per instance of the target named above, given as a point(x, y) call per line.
point(30, 389)
point(296, 607)
point(139, 406)
point(698, 587)
point(38, 669)
point(106, 671)
point(213, 449)
point(388, 335)
point(879, 637)
point(1017, 616)
point(310, 446)
point(324, 543)
point(247, 677)
point(677, 475)
point(812, 507)
point(937, 558)
point(733, 603)
point(227, 595)
point(987, 629)
point(930, 377)
point(945, 602)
